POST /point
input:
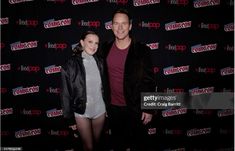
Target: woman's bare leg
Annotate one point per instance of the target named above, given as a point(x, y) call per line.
point(85, 130)
point(97, 127)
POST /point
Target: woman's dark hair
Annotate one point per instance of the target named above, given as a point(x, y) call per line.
point(78, 49)
point(122, 11)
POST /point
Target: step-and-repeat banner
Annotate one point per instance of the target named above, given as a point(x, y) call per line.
point(192, 48)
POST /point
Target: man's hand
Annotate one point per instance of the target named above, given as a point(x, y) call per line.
point(146, 118)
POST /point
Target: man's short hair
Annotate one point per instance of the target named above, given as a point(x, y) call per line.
point(122, 11)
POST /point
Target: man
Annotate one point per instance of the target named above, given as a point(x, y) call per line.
point(129, 70)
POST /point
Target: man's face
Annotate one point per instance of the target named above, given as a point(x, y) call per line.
point(121, 26)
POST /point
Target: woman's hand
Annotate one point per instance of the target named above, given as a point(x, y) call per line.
point(75, 130)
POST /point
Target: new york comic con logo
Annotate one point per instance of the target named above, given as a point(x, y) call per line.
point(52, 23)
point(79, 2)
point(108, 25)
point(225, 112)
point(5, 67)
point(25, 45)
point(54, 113)
point(24, 133)
point(27, 90)
point(229, 27)
point(177, 25)
point(197, 91)
point(145, 2)
point(203, 48)
point(153, 46)
point(226, 71)
point(205, 3)
point(52, 69)
point(18, 1)
point(6, 111)
point(4, 21)
point(195, 132)
point(173, 112)
point(176, 149)
point(173, 70)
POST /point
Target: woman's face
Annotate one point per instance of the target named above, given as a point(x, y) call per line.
point(90, 44)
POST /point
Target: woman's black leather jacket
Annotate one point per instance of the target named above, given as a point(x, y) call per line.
point(73, 85)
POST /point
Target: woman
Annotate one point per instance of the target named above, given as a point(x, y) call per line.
point(82, 92)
